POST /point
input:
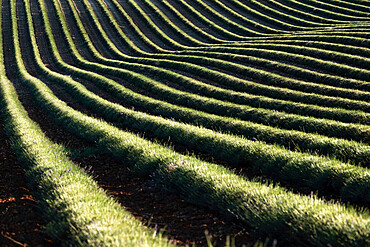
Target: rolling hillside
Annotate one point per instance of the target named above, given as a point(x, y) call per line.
point(149, 122)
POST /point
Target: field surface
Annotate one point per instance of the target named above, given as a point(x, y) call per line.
point(184, 122)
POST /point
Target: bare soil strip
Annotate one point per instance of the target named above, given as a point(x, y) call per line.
point(21, 222)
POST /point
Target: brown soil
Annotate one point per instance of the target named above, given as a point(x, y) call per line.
point(21, 222)
point(181, 221)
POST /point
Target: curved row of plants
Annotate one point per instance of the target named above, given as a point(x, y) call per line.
point(257, 9)
point(253, 100)
point(266, 207)
point(243, 85)
point(77, 210)
point(187, 115)
point(298, 55)
point(310, 142)
point(225, 27)
point(275, 11)
point(185, 22)
point(322, 64)
point(221, 146)
point(269, 209)
point(335, 11)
